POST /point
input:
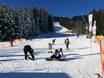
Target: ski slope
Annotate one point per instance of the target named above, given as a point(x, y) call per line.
point(59, 28)
point(81, 62)
point(83, 59)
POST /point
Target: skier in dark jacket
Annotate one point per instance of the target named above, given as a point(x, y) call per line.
point(53, 41)
point(11, 42)
point(56, 55)
point(61, 51)
point(27, 49)
point(78, 35)
point(67, 43)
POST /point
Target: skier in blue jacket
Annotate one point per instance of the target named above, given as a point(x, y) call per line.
point(49, 48)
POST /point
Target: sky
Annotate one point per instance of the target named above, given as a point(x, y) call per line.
point(66, 8)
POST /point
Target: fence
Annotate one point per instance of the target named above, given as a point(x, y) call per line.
point(16, 42)
point(100, 40)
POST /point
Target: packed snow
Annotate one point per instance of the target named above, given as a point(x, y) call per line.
point(82, 59)
point(59, 28)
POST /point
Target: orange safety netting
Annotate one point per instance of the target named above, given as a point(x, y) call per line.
point(100, 40)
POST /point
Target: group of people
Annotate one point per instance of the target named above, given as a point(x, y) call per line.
point(67, 42)
point(56, 54)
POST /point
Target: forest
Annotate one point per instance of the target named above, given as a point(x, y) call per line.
point(23, 22)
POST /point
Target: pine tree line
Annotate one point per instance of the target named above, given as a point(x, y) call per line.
point(23, 22)
point(99, 17)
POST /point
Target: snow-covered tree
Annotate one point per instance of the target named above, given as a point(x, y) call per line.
point(23, 22)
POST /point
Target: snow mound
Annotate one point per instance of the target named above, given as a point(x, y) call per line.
point(59, 28)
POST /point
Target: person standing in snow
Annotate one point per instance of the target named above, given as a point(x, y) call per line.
point(11, 42)
point(67, 43)
point(27, 49)
point(78, 35)
point(49, 48)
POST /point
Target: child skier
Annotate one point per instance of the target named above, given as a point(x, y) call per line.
point(49, 48)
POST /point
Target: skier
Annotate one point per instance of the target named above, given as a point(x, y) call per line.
point(49, 48)
point(27, 49)
point(78, 35)
point(56, 55)
point(61, 51)
point(53, 41)
point(11, 42)
point(67, 43)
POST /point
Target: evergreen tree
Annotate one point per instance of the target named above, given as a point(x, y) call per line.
point(23, 22)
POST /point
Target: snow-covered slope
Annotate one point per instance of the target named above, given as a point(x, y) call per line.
point(81, 62)
point(59, 28)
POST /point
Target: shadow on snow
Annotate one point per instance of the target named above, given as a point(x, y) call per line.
point(51, 35)
point(33, 75)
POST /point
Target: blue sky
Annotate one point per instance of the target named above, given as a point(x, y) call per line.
point(66, 8)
